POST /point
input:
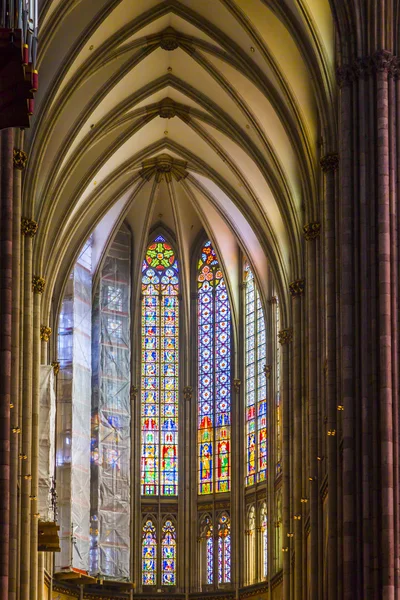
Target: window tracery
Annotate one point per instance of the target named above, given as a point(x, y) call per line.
point(214, 375)
point(160, 370)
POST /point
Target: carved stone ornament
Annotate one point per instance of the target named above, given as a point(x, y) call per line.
point(312, 231)
point(19, 159)
point(382, 61)
point(296, 288)
point(164, 167)
point(273, 300)
point(38, 284)
point(56, 367)
point(268, 371)
point(169, 40)
point(285, 336)
point(344, 75)
point(188, 392)
point(45, 333)
point(29, 227)
point(133, 391)
point(236, 385)
point(329, 162)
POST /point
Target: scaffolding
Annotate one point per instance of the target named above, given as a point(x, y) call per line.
point(111, 416)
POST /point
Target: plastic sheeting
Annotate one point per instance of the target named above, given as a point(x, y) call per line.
point(111, 416)
point(46, 443)
point(74, 416)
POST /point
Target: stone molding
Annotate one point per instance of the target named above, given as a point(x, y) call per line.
point(19, 159)
point(312, 231)
point(29, 227)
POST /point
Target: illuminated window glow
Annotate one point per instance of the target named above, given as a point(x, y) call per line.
point(256, 387)
point(168, 576)
point(160, 360)
point(224, 549)
point(149, 554)
point(214, 375)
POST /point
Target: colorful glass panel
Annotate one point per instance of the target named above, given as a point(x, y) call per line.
point(224, 549)
point(264, 540)
point(256, 387)
point(214, 375)
point(149, 554)
point(278, 393)
point(168, 547)
point(160, 370)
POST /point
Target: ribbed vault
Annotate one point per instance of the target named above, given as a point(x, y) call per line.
point(236, 92)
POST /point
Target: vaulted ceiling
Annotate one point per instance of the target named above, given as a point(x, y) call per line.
point(238, 94)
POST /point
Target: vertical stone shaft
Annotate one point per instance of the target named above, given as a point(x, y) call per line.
point(285, 469)
point(346, 284)
point(297, 446)
point(35, 446)
point(330, 336)
point(26, 423)
point(313, 416)
point(385, 333)
point(6, 229)
point(15, 387)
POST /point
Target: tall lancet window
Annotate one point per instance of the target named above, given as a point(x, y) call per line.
point(214, 375)
point(160, 366)
point(256, 388)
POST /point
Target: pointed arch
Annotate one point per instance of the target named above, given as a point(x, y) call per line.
point(160, 370)
point(214, 375)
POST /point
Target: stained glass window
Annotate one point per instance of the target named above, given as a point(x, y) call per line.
point(278, 392)
point(214, 375)
point(251, 546)
point(160, 360)
point(168, 545)
point(256, 388)
point(224, 549)
point(149, 553)
point(264, 540)
point(207, 558)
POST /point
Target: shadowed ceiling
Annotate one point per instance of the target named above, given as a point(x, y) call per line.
point(210, 113)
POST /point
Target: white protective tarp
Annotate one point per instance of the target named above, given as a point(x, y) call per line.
point(73, 416)
point(46, 443)
point(111, 416)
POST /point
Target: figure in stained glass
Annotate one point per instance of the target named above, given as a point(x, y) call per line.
point(214, 375)
point(160, 360)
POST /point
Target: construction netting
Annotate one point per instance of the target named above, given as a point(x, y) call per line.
point(111, 415)
point(74, 416)
point(46, 498)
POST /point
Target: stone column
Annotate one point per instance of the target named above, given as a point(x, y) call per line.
point(285, 338)
point(296, 290)
point(329, 164)
point(6, 264)
point(19, 159)
point(27, 226)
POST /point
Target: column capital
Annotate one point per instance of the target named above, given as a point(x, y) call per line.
point(19, 159)
point(188, 392)
point(29, 227)
point(273, 300)
point(56, 367)
point(45, 333)
point(236, 385)
point(285, 336)
point(38, 284)
point(344, 75)
point(268, 371)
point(329, 162)
point(296, 288)
point(133, 391)
point(312, 231)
